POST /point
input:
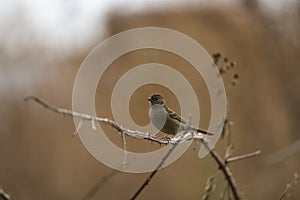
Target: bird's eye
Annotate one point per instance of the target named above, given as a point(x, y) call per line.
point(154, 98)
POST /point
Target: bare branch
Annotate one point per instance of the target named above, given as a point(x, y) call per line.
point(242, 157)
point(289, 187)
point(118, 127)
point(147, 181)
point(99, 185)
point(137, 134)
point(209, 188)
point(4, 195)
point(226, 171)
point(225, 193)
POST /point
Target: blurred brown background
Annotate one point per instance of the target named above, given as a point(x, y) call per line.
point(41, 160)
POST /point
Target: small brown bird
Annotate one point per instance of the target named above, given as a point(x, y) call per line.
point(167, 120)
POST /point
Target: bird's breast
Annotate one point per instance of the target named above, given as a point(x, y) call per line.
point(158, 115)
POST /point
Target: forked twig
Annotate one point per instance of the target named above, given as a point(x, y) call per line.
point(226, 171)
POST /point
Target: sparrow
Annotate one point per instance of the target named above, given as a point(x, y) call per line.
point(166, 120)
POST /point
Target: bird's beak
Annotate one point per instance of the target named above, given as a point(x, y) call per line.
point(149, 99)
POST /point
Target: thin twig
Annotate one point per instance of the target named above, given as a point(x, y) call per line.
point(289, 186)
point(124, 151)
point(99, 185)
point(147, 181)
point(224, 192)
point(4, 195)
point(209, 188)
point(242, 157)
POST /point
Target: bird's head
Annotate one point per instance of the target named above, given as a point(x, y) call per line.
point(156, 99)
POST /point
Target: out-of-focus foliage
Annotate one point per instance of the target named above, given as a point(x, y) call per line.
point(40, 159)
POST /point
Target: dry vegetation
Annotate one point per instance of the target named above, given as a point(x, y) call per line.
point(40, 159)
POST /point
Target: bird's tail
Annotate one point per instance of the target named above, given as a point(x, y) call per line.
point(189, 127)
point(204, 132)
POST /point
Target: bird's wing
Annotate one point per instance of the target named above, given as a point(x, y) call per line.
point(173, 115)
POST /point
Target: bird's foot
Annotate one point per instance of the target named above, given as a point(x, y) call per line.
point(167, 138)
